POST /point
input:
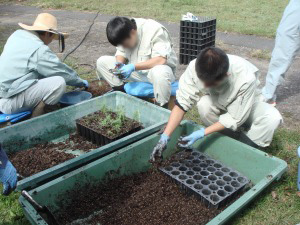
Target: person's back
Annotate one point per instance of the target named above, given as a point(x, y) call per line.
point(16, 71)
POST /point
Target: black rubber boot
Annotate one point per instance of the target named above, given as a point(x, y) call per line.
point(119, 88)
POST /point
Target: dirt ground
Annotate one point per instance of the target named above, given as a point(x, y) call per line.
point(96, 45)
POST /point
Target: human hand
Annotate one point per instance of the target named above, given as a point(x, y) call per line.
point(119, 65)
point(8, 176)
point(126, 70)
point(160, 147)
point(192, 138)
point(86, 83)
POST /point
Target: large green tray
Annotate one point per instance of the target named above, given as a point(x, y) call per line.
point(258, 166)
point(59, 124)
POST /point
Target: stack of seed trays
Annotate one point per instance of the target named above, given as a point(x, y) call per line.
point(213, 182)
point(195, 36)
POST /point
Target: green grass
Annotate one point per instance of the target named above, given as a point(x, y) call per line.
point(259, 17)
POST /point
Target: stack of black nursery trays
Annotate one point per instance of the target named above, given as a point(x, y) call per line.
point(195, 36)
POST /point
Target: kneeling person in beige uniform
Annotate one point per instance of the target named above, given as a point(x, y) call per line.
point(225, 89)
point(31, 75)
point(144, 53)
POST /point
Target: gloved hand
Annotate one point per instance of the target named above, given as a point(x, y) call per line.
point(126, 70)
point(160, 147)
point(119, 65)
point(86, 83)
point(192, 138)
point(8, 174)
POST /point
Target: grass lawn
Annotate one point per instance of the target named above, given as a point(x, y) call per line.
point(258, 17)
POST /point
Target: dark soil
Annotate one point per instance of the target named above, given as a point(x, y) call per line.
point(45, 156)
point(98, 88)
point(145, 198)
point(109, 124)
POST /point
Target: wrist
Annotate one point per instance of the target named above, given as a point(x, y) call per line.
point(165, 136)
point(133, 67)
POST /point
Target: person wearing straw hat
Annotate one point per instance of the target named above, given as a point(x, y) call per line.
point(31, 75)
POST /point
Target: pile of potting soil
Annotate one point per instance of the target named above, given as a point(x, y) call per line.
point(98, 88)
point(146, 198)
point(44, 156)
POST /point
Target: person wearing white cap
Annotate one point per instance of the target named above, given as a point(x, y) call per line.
point(31, 75)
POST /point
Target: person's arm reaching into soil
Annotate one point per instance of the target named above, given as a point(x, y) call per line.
point(199, 134)
point(176, 116)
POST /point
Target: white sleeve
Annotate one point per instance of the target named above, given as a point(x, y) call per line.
point(189, 89)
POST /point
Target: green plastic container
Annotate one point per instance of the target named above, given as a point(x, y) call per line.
point(258, 166)
point(57, 126)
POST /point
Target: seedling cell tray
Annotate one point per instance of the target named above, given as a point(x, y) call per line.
point(99, 139)
point(209, 179)
point(259, 167)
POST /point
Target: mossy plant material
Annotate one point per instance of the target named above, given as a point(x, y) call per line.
point(109, 124)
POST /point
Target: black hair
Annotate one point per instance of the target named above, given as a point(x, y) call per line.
point(212, 64)
point(118, 29)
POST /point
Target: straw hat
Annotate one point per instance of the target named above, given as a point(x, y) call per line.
point(44, 22)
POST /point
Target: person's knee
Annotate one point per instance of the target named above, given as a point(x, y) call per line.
point(272, 121)
point(61, 84)
point(55, 91)
point(102, 61)
point(161, 73)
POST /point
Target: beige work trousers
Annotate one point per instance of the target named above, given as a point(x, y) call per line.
point(49, 90)
point(160, 76)
point(261, 124)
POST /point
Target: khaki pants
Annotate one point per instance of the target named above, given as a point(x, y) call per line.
point(160, 76)
point(49, 90)
point(261, 124)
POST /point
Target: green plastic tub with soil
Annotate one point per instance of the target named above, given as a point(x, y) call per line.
point(60, 126)
point(147, 195)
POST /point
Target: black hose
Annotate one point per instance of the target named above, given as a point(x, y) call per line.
point(82, 40)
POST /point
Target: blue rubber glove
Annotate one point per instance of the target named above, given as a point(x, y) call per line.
point(160, 147)
point(86, 83)
point(192, 138)
point(126, 70)
point(119, 65)
point(8, 174)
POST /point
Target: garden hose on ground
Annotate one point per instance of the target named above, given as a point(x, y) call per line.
point(84, 37)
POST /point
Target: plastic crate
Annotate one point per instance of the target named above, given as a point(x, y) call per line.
point(57, 126)
point(195, 36)
point(261, 168)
